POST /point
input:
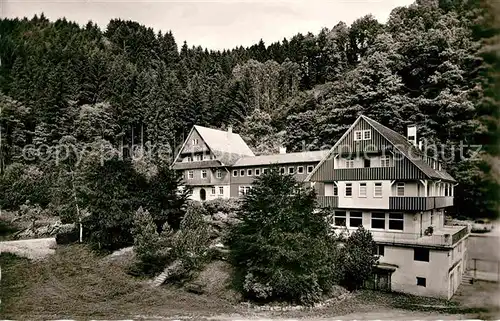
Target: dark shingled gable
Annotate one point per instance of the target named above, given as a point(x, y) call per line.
point(410, 151)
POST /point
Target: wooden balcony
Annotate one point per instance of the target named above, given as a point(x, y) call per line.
point(418, 203)
point(328, 201)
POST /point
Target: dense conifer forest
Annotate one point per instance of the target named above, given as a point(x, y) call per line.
point(62, 83)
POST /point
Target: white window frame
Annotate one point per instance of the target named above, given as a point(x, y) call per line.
point(369, 132)
point(190, 175)
point(345, 191)
point(218, 173)
point(243, 189)
point(282, 170)
point(310, 168)
point(199, 158)
point(204, 173)
point(335, 190)
point(249, 172)
point(349, 163)
point(257, 172)
point(195, 141)
point(300, 169)
point(213, 190)
point(235, 171)
point(291, 170)
point(375, 190)
point(264, 170)
point(399, 186)
point(385, 161)
point(221, 190)
point(358, 135)
point(363, 186)
point(242, 172)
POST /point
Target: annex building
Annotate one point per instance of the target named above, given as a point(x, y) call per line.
point(374, 177)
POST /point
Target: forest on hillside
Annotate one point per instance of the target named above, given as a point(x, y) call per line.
point(64, 83)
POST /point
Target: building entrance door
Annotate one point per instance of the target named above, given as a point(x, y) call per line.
point(203, 194)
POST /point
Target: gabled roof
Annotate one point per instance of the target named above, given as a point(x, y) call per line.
point(413, 154)
point(289, 158)
point(227, 147)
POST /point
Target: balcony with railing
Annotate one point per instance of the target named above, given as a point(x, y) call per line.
point(445, 237)
point(419, 203)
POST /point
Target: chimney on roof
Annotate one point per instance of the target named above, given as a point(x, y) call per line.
point(282, 150)
point(412, 134)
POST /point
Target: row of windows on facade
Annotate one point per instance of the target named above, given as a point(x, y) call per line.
point(221, 190)
point(378, 220)
point(384, 161)
point(204, 174)
point(362, 191)
point(377, 189)
point(199, 158)
point(283, 170)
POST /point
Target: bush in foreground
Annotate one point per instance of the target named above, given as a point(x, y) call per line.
point(358, 259)
point(283, 249)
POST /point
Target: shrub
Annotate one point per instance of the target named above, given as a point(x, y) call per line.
point(112, 193)
point(190, 243)
point(150, 246)
point(164, 199)
point(358, 257)
point(68, 237)
point(21, 183)
point(222, 205)
point(283, 249)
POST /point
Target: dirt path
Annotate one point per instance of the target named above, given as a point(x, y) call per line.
point(382, 314)
point(32, 249)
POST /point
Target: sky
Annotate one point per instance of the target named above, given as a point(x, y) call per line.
point(211, 24)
